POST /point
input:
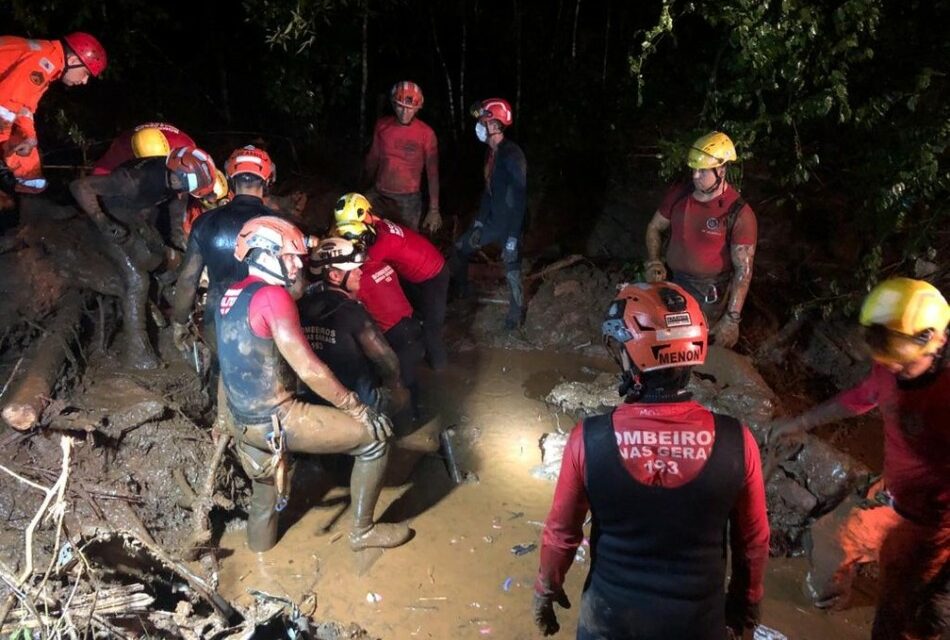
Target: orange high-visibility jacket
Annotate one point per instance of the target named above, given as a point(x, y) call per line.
point(27, 67)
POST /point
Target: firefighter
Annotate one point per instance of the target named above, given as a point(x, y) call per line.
point(421, 268)
point(501, 214)
point(27, 67)
point(662, 477)
point(127, 206)
point(262, 351)
point(905, 525)
point(403, 148)
point(713, 234)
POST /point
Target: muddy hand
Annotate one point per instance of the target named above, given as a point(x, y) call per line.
point(544, 616)
point(379, 427)
point(654, 271)
point(181, 336)
point(433, 221)
point(782, 430)
point(726, 332)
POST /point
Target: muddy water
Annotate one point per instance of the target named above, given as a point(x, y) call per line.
point(458, 577)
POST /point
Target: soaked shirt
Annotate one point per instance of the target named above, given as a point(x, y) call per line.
point(916, 440)
point(413, 257)
point(27, 67)
point(398, 155)
point(382, 295)
point(661, 445)
point(256, 377)
point(698, 234)
point(333, 323)
point(120, 151)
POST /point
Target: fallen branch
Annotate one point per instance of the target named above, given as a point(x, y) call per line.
point(203, 503)
point(563, 263)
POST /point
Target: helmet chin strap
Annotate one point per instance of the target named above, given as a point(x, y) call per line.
point(720, 176)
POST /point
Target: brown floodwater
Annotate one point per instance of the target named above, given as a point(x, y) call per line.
point(458, 577)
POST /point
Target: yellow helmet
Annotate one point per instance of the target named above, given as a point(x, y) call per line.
point(355, 231)
point(911, 317)
point(351, 207)
point(712, 150)
point(150, 142)
point(220, 192)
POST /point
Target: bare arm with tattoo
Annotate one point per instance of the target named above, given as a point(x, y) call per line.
point(655, 269)
point(743, 255)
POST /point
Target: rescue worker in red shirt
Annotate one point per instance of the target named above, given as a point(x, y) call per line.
point(27, 67)
point(501, 214)
point(129, 206)
point(907, 525)
point(378, 289)
point(661, 476)
point(262, 351)
point(713, 235)
point(421, 268)
point(220, 196)
point(147, 140)
point(402, 147)
point(341, 331)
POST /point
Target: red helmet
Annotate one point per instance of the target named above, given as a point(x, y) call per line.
point(407, 94)
point(89, 50)
point(494, 109)
point(251, 160)
point(194, 167)
point(659, 326)
point(272, 234)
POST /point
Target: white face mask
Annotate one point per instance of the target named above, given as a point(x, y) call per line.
point(481, 131)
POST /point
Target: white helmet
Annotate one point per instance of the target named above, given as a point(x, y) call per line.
point(338, 253)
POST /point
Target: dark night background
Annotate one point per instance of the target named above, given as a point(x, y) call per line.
point(839, 109)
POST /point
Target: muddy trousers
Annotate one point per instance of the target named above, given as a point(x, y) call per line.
point(429, 299)
point(308, 428)
point(405, 208)
point(459, 266)
point(712, 294)
point(405, 338)
point(914, 600)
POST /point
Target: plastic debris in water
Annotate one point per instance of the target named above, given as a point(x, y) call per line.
point(372, 598)
point(581, 555)
point(507, 584)
point(767, 633)
point(521, 549)
point(485, 631)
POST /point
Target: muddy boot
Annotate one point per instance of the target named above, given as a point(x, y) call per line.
point(365, 486)
point(383, 535)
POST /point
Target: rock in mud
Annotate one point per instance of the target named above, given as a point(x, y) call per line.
point(836, 350)
point(582, 399)
point(828, 473)
point(552, 451)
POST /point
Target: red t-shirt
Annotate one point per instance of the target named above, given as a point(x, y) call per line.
point(916, 439)
point(664, 445)
point(413, 257)
point(698, 231)
point(400, 152)
point(382, 295)
point(120, 151)
point(268, 303)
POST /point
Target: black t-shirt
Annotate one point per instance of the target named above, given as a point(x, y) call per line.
point(332, 322)
point(214, 235)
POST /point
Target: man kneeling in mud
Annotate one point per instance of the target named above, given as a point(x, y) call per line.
point(261, 346)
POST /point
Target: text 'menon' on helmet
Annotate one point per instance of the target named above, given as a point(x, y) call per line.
point(658, 325)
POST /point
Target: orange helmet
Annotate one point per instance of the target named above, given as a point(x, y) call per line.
point(194, 167)
point(271, 234)
point(251, 160)
point(658, 325)
point(493, 109)
point(407, 94)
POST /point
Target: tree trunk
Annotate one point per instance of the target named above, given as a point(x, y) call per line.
point(445, 70)
point(31, 394)
point(603, 76)
point(577, 13)
point(365, 79)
